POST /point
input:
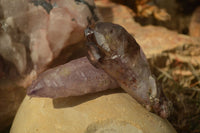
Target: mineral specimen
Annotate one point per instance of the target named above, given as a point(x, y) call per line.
point(113, 49)
point(78, 77)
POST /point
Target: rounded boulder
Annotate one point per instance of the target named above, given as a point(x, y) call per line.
point(104, 112)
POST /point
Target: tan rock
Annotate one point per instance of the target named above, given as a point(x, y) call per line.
point(194, 28)
point(153, 39)
point(106, 112)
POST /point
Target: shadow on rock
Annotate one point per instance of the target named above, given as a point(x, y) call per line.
point(76, 100)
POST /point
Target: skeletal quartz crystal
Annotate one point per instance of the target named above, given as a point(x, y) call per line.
point(78, 77)
point(120, 62)
point(113, 49)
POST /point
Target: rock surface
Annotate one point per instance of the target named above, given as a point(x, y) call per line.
point(152, 40)
point(149, 37)
point(100, 112)
point(27, 45)
point(194, 28)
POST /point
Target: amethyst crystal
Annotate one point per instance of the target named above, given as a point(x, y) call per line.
point(78, 77)
point(113, 49)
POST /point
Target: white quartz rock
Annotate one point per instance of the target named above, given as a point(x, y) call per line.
point(79, 10)
point(67, 21)
point(40, 51)
point(59, 29)
point(64, 25)
point(13, 52)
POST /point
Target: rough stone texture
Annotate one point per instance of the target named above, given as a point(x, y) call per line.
point(100, 112)
point(13, 52)
point(194, 28)
point(14, 8)
point(149, 38)
point(24, 44)
point(154, 40)
point(51, 31)
point(45, 55)
point(57, 37)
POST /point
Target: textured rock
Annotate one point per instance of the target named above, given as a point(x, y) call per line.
point(153, 39)
point(61, 26)
point(41, 54)
point(113, 13)
point(14, 8)
point(26, 31)
point(59, 29)
point(194, 28)
point(100, 112)
point(13, 52)
point(50, 25)
point(81, 10)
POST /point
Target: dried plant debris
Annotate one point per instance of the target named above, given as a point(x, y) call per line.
point(179, 72)
point(146, 8)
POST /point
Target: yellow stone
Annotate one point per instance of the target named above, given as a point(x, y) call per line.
point(104, 112)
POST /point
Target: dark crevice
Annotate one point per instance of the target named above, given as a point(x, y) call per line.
point(46, 5)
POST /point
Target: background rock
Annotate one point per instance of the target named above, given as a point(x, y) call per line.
point(153, 39)
point(174, 57)
point(25, 45)
point(194, 28)
point(93, 113)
